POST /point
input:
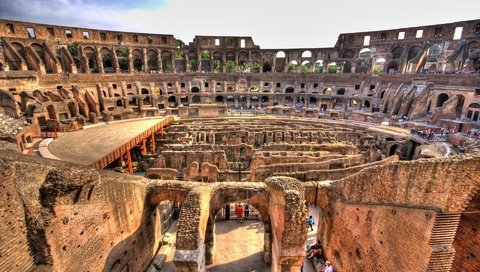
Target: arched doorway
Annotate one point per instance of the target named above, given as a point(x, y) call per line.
point(392, 150)
point(288, 101)
point(254, 102)
point(172, 102)
point(441, 99)
point(230, 102)
point(223, 230)
point(219, 99)
point(267, 67)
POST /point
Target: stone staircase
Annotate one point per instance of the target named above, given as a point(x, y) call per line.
point(441, 241)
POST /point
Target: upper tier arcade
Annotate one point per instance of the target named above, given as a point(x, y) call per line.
point(46, 49)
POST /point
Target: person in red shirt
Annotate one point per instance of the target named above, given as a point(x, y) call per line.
point(239, 212)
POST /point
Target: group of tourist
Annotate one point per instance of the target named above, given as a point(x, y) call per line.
point(242, 211)
point(315, 251)
point(430, 135)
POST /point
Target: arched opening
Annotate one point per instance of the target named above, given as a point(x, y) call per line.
point(145, 91)
point(217, 61)
point(365, 53)
point(267, 67)
point(179, 61)
point(292, 66)
point(167, 64)
point(52, 112)
point(366, 104)
point(441, 98)
point(137, 65)
point(238, 218)
point(265, 101)
point(332, 68)
point(107, 60)
point(152, 61)
point(412, 52)
point(147, 101)
point(92, 59)
point(230, 62)
point(431, 62)
point(289, 90)
point(392, 67)
point(288, 101)
point(205, 61)
point(306, 66)
point(184, 101)
point(219, 99)
point(319, 66)
point(473, 112)
point(392, 150)
point(243, 66)
point(172, 102)
point(196, 99)
point(217, 66)
point(312, 102)
point(306, 54)
point(195, 90)
point(341, 91)
point(122, 56)
point(119, 102)
point(254, 102)
point(327, 91)
point(230, 102)
point(379, 66)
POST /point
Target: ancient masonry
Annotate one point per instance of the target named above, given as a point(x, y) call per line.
point(220, 120)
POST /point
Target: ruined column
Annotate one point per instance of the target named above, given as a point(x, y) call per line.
point(288, 213)
point(192, 224)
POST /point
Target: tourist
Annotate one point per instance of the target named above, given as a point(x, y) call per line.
point(239, 212)
point(246, 210)
point(315, 250)
point(311, 222)
point(328, 267)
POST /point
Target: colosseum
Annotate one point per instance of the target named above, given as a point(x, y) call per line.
point(126, 151)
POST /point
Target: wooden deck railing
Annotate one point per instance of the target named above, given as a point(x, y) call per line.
point(124, 148)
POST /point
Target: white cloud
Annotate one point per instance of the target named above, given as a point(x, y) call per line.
point(272, 24)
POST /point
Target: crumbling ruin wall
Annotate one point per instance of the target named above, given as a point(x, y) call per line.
point(15, 250)
point(394, 208)
point(335, 174)
point(76, 213)
point(377, 238)
point(191, 231)
point(264, 171)
point(288, 214)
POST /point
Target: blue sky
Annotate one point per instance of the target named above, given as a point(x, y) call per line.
point(271, 23)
